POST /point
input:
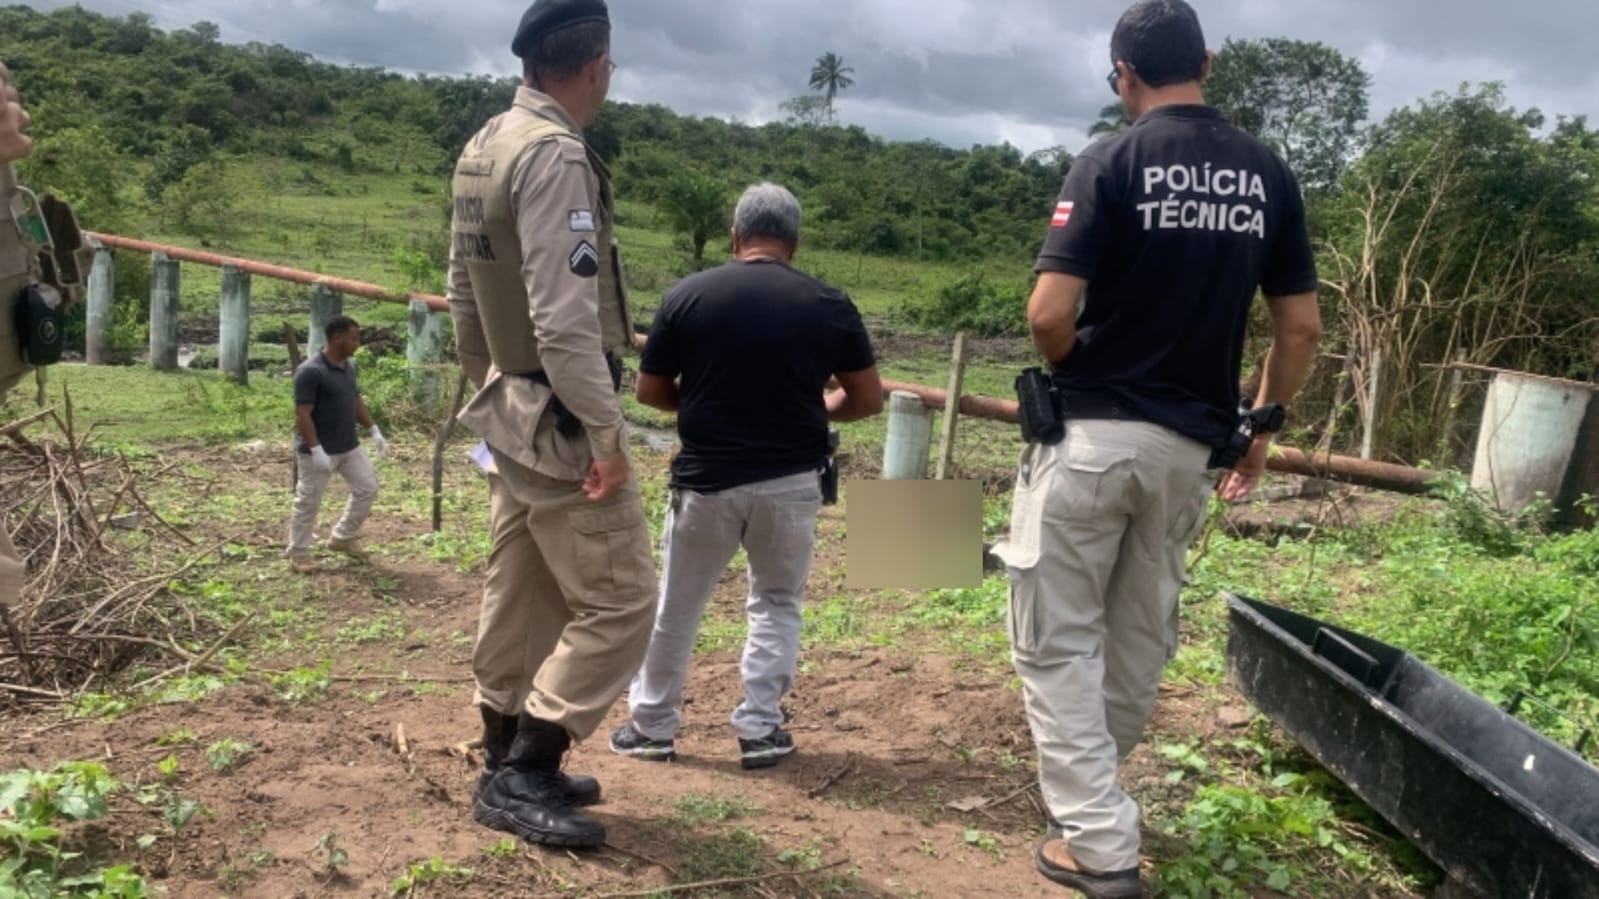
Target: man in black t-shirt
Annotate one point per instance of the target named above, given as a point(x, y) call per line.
point(327, 407)
point(1162, 237)
point(742, 353)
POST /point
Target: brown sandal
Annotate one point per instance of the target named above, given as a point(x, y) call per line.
point(1122, 884)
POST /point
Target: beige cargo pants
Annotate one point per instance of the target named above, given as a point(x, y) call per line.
point(312, 484)
point(12, 571)
point(1100, 526)
point(569, 599)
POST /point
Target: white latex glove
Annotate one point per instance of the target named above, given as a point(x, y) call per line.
point(320, 458)
point(380, 446)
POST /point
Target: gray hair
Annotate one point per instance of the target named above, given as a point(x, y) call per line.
point(767, 210)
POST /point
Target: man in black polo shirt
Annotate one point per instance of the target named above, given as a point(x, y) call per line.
point(327, 407)
point(754, 342)
point(1163, 235)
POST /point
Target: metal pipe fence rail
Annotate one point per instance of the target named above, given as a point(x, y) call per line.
point(426, 346)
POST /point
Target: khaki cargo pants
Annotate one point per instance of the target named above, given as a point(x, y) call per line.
point(569, 599)
point(1100, 527)
point(12, 571)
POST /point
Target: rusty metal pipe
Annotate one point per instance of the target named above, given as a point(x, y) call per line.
point(1284, 459)
point(268, 270)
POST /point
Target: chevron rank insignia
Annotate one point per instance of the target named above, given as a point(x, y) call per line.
point(585, 260)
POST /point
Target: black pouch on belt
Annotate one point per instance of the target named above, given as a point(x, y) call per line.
point(1036, 400)
point(39, 325)
point(829, 475)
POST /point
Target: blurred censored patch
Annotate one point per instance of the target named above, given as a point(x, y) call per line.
point(913, 535)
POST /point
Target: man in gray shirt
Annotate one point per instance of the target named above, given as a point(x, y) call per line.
point(327, 406)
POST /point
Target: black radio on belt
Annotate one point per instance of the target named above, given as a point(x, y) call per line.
point(39, 324)
point(1267, 419)
point(1038, 402)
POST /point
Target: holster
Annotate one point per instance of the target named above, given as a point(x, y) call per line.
point(829, 473)
point(567, 424)
point(39, 320)
point(1038, 402)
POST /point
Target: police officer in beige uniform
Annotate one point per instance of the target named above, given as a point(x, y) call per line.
point(540, 311)
point(14, 275)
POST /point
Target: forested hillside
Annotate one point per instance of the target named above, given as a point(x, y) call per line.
point(109, 91)
point(1458, 228)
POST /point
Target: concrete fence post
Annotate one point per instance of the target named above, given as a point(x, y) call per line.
point(910, 437)
point(326, 305)
point(423, 350)
point(163, 312)
point(101, 303)
point(233, 350)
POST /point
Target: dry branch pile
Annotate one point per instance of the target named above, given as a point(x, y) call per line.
point(88, 607)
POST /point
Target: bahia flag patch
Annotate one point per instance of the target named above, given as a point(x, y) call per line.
point(1063, 214)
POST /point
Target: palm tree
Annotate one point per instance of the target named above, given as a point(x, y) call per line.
point(695, 205)
point(830, 76)
point(1112, 120)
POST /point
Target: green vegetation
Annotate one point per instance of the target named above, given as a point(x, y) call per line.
point(226, 754)
point(703, 808)
point(426, 872)
point(34, 807)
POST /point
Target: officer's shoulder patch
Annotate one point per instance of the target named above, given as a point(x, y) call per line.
point(580, 220)
point(478, 166)
point(585, 260)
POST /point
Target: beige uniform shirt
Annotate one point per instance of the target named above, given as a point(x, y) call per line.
point(14, 275)
point(550, 181)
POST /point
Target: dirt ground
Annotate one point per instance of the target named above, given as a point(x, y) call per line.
point(914, 774)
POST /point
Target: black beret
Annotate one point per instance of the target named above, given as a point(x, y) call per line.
point(545, 17)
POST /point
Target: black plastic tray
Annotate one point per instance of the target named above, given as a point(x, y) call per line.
point(1504, 810)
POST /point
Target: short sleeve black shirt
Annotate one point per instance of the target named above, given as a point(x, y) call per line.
point(754, 343)
point(1174, 224)
point(331, 391)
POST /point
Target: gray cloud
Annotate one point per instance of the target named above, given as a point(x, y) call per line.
point(958, 71)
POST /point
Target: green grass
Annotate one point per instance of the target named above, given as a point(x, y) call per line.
point(1497, 620)
point(134, 406)
point(655, 259)
point(709, 808)
point(735, 852)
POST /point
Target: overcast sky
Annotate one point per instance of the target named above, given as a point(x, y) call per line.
point(1030, 72)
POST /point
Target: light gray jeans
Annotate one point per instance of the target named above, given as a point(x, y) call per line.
point(775, 522)
point(357, 471)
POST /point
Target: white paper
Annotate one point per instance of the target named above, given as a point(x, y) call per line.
point(480, 454)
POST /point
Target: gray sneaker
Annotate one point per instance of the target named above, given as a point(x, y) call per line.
point(766, 751)
point(626, 740)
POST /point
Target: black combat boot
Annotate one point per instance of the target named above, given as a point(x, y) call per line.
point(498, 732)
point(526, 795)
